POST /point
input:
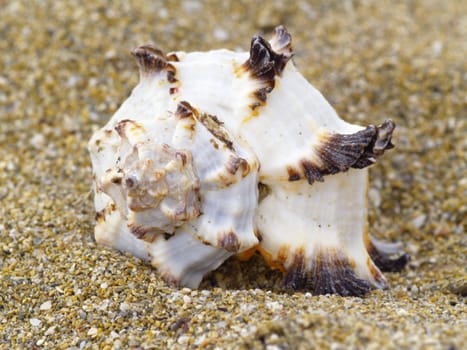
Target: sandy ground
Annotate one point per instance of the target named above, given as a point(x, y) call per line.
point(65, 68)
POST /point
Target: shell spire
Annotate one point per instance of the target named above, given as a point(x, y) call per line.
point(220, 153)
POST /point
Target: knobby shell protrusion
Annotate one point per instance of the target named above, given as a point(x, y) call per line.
point(220, 153)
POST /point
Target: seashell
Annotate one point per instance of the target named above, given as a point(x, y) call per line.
point(221, 153)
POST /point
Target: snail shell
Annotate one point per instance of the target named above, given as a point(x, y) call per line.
point(220, 153)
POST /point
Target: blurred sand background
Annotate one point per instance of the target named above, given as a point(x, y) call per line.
point(65, 68)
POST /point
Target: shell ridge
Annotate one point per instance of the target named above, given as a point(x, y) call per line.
point(224, 224)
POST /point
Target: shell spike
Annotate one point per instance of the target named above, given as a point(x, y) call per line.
point(383, 140)
point(281, 42)
point(380, 142)
point(264, 63)
point(150, 59)
point(337, 153)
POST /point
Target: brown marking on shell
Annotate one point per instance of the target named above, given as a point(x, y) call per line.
point(172, 56)
point(126, 126)
point(153, 60)
point(121, 125)
point(226, 180)
point(182, 213)
point(380, 142)
point(339, 152)
point(144, 233)
point(183, 156)
point(117, 178)
point(215, 127)
point(283, 253)
point(258, 235)
point(171, 73)
point(130, 182)
point(260, 96)
point(150, 59)
point(229, 241)
point(167, 236)
point(234, 163)
point(98, 141)
point(214, 143)
point(264, 63)
point(263, 191)
point(385, 260)
point(294, 174)
point(185, 110)
point(210, 122)
point(186, 113)
point(329, 271)
point(311, 171)
point(101, 214)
